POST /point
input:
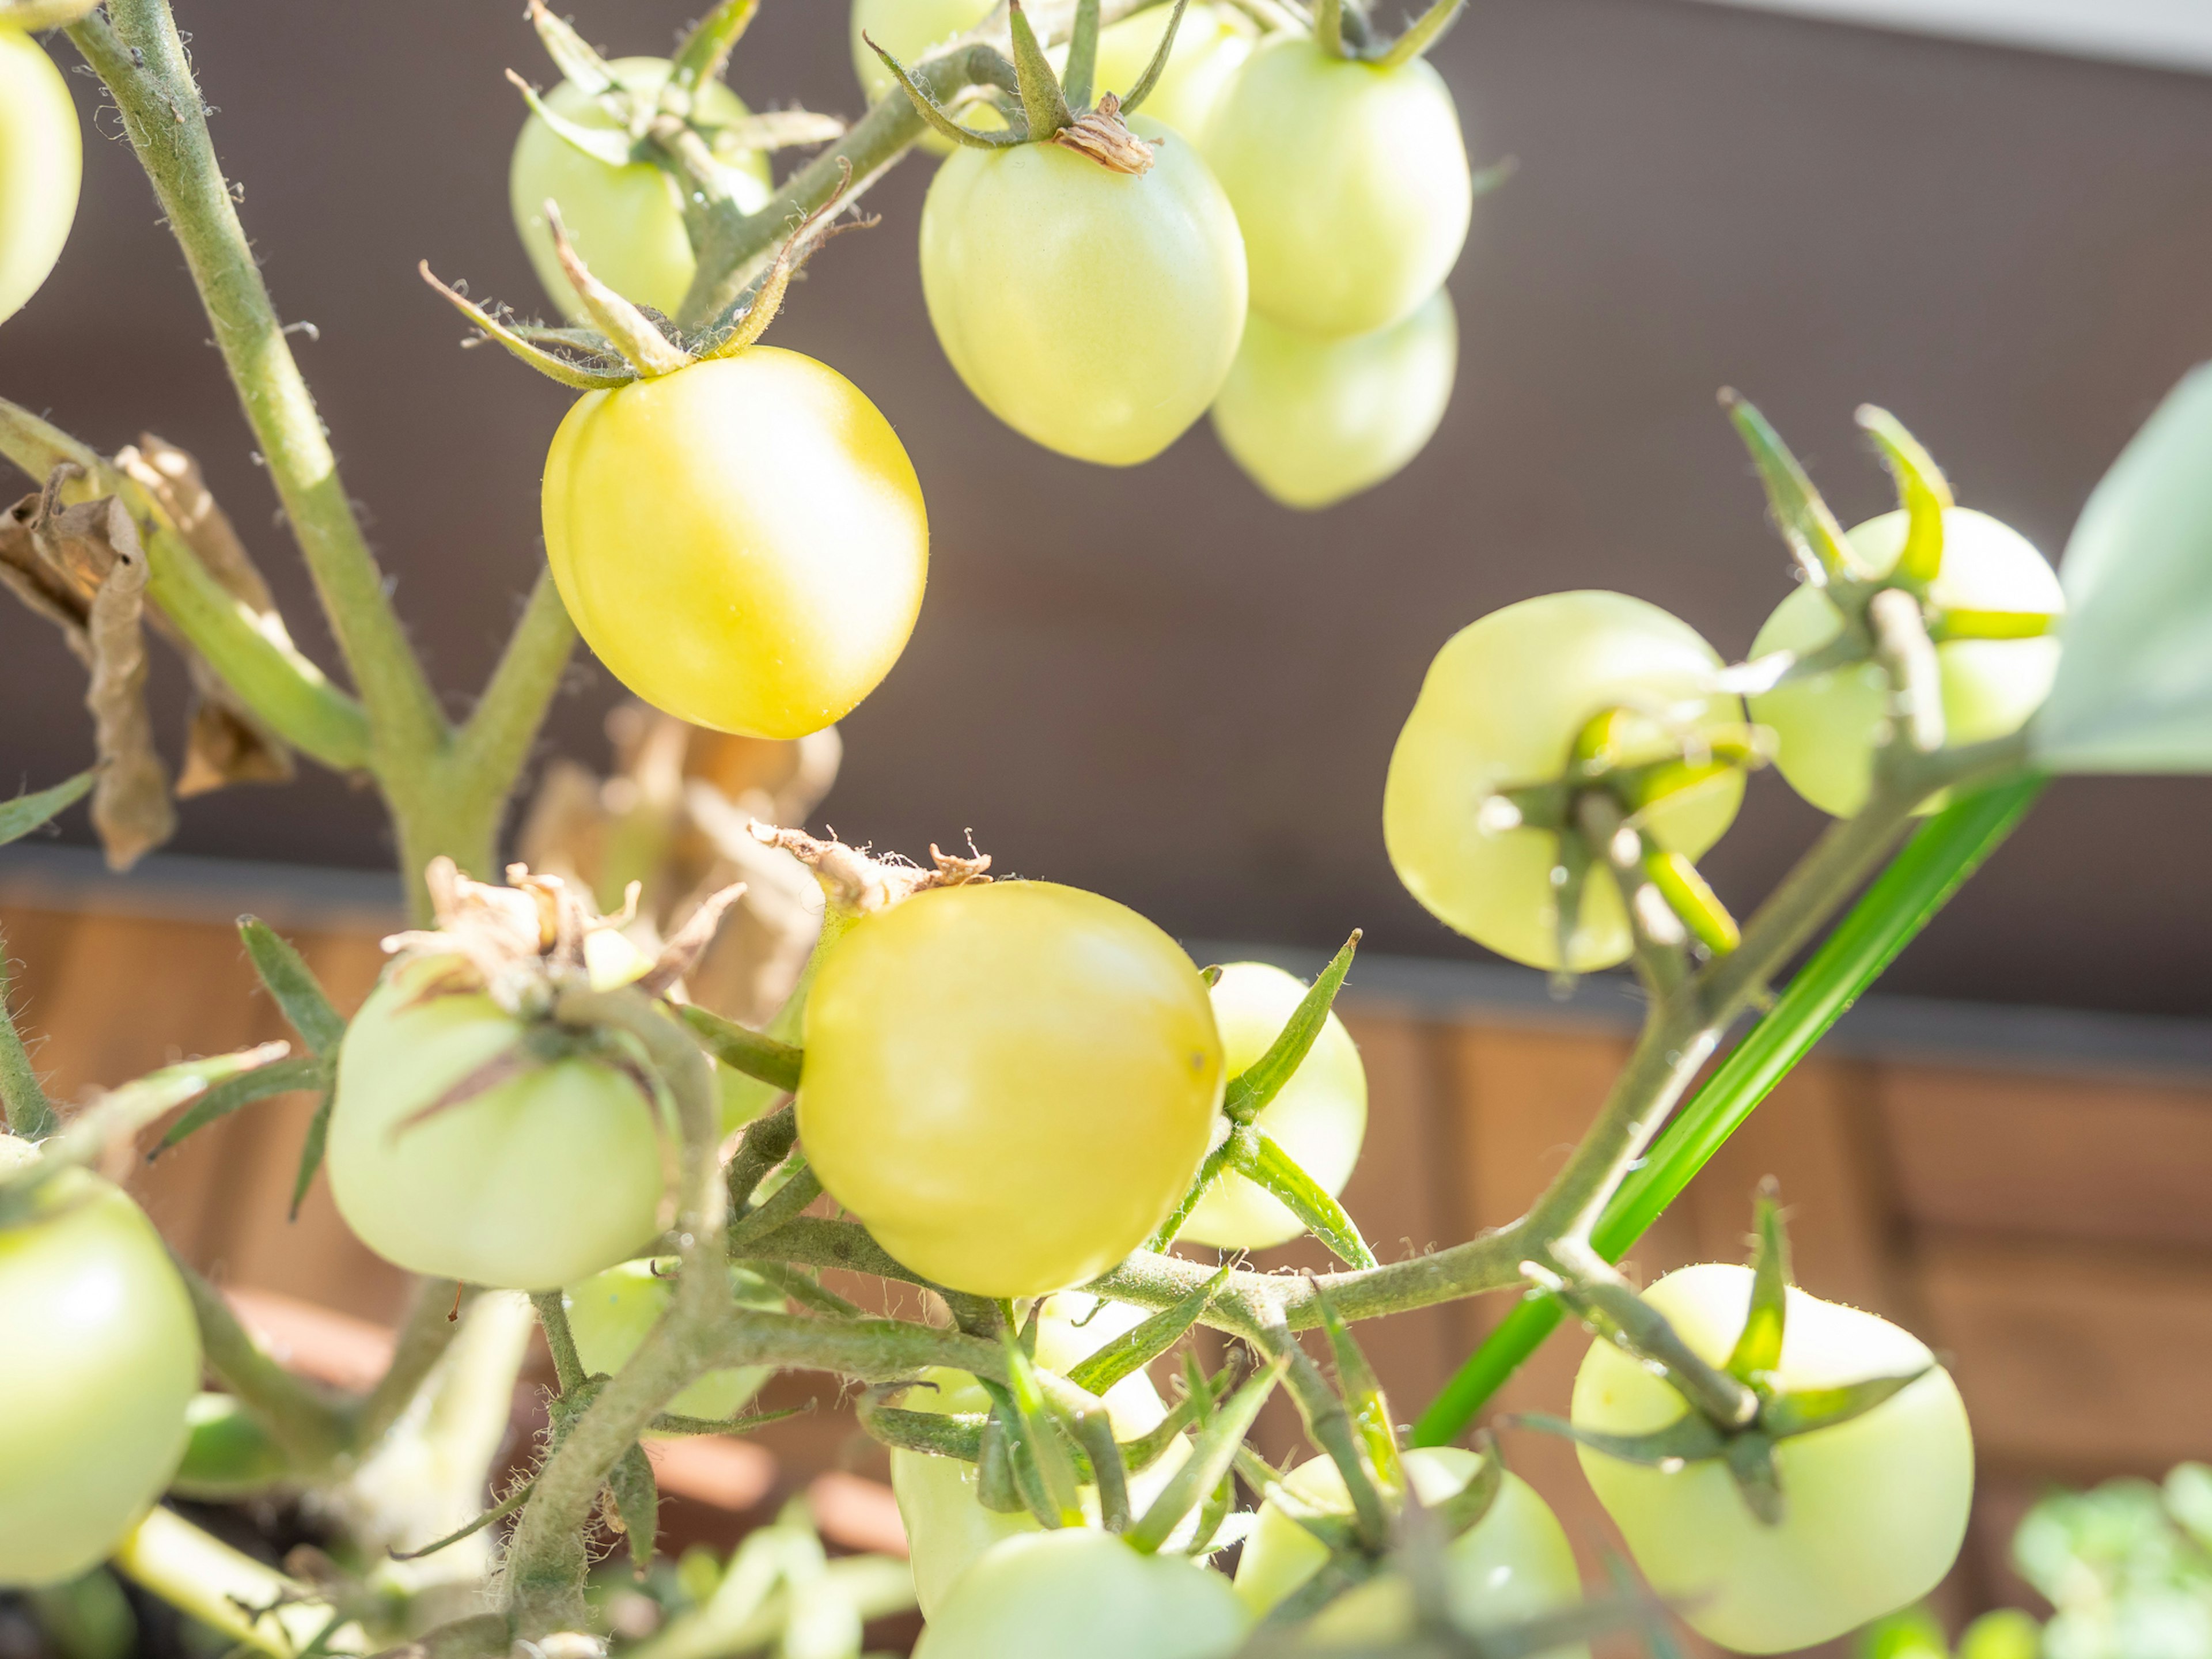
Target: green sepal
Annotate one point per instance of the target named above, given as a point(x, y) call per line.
point(571, 54)
point(609, 146)
point(768, 130)
point(1042, 102)
point(566, 370)
point(19, 816)
point(1208, 1173)
point(1142, 1343)
point(1197, 1390)
point(1691, 1438)
point(1158, 67)
point(996, 1489)
point(1075, 81)
point(310, 1150)
point(743, 1049)
point(1758, 1350)
point(705, 52)
point(798, 1285)
point(934, 1434)
point(1808, 1411)
point(637, 1501)
point(1465, 1508)
point(1750, 1459)
point(1363, 1395)
point(1211, 1515)
point(1569, 884)
point(934, 114)
point(1803, 518)
point(1251, 1089)
point(1268, 1167)
point(280, 1077)
point(1922, 489)
point(1691, 899)
point(293, 985)
point(1328, 27)
point(1421, 33)
point(800, 1188)
point(1963, 624)
point(744, 1423)
point(1094, 1435)
point(1213, 1454)
point(1047, 1452)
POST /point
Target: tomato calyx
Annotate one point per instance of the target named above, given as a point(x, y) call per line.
point(1343, 30)
point(856, 882)
point(1738, 1414)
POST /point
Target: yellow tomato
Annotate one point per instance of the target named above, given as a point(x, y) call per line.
point(41, 166)
point(1011, 1085)
point(743, 543)
point(611, 1314)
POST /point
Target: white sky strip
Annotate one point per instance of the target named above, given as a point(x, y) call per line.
point(2165, 33)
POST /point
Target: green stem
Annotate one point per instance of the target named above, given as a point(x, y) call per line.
point(313, 1432)
point(1894, 910)
point(29, 1114)
point(254, 1606)
point(135, 49)
point(432, 1323)
point(490, 749)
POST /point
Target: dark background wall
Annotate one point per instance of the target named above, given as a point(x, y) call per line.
point(1158, 684)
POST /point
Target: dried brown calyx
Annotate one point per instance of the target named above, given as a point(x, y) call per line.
point(1105, 138)
point(854, 880)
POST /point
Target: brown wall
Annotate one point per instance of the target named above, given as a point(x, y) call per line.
point(2009, 250)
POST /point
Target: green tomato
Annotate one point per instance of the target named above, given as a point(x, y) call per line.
point(542, 1179)
point(1011, 1085)
point(612, 1312)
point(910, 30)
point(1313, 420)
point(626, 221)
point(1513, 1565)
point(1826, 727)
point(100, 1360)
point(2007, 1633)
point(41, 166)
point(1095, 312)
point(1083, 1593)
point(1875, 1508)
point(743, 543)
point(1210, 46)
point(1319, 1118)
point(947, 1527)
point(1351, 182)
point(1502, 706)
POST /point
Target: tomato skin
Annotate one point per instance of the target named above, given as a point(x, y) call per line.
point(1011, 1085)
point(1083, 1593)
point(1826, 725)
point(540, 1181)
point(1351, 182)
point(743, 543)
point(1209, 47)
point(99, 1359)
point(910, 30)
point(1501, 707)
point(1319, 1118)
point(1513, 1565)
point(1313, 421)
point(41, 167)
point(610, 1313)
point(1875, 1508)
point(1096, 313)
point(627, 222)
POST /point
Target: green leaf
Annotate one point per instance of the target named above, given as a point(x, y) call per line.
point(1363, 1395)
point(1082, 56)
point(1042, 102)
point(1150, 78)
point(934, 114)
point(756, 1055)
point(705, 52)
point(1922, 489)
point(1902, 901)
point(278, 1078)
point(1212, 1456)
point(1800, 514)
point(310, 1150)
point(293, 985)
point(1758, 1345)
point(1136, 1347)
point(1275, 1171)
point(19, 816)
point(1251, 1089)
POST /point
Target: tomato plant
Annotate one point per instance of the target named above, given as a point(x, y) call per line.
point(1826, 725)
point(101, 1358)
point(627, 222)
point(1094, 311)
point(1350, 180)
point(1502, 706)
point(612, 1312)
point(546, 1170)
point(910, 29)
point(1083, 1593)
point(1211, 44)
point(1011, 1085)
point(1512, 1565)
point(1313, 421)
point(41, 163)
point(1873, 1509)
point(1319, 1118)
point(743, 542)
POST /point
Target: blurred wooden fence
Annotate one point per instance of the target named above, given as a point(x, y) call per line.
point(2027, 1189)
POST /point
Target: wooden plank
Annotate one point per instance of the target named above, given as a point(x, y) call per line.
point(2075, 1157)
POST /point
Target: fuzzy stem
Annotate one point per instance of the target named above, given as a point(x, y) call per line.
point(429, 1330)
point(491, 748)
point(29, 1114)
point(313, 1432)
point(254, 1606)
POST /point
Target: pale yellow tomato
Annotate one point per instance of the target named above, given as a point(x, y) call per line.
point(610, 1314)
point(1083, 1593)
point(1210, 46)
point(626, 221)
point(41, 167)
point(1319, 1118)
point(1011, 1085)
point(742, 543)
point(910, 30)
